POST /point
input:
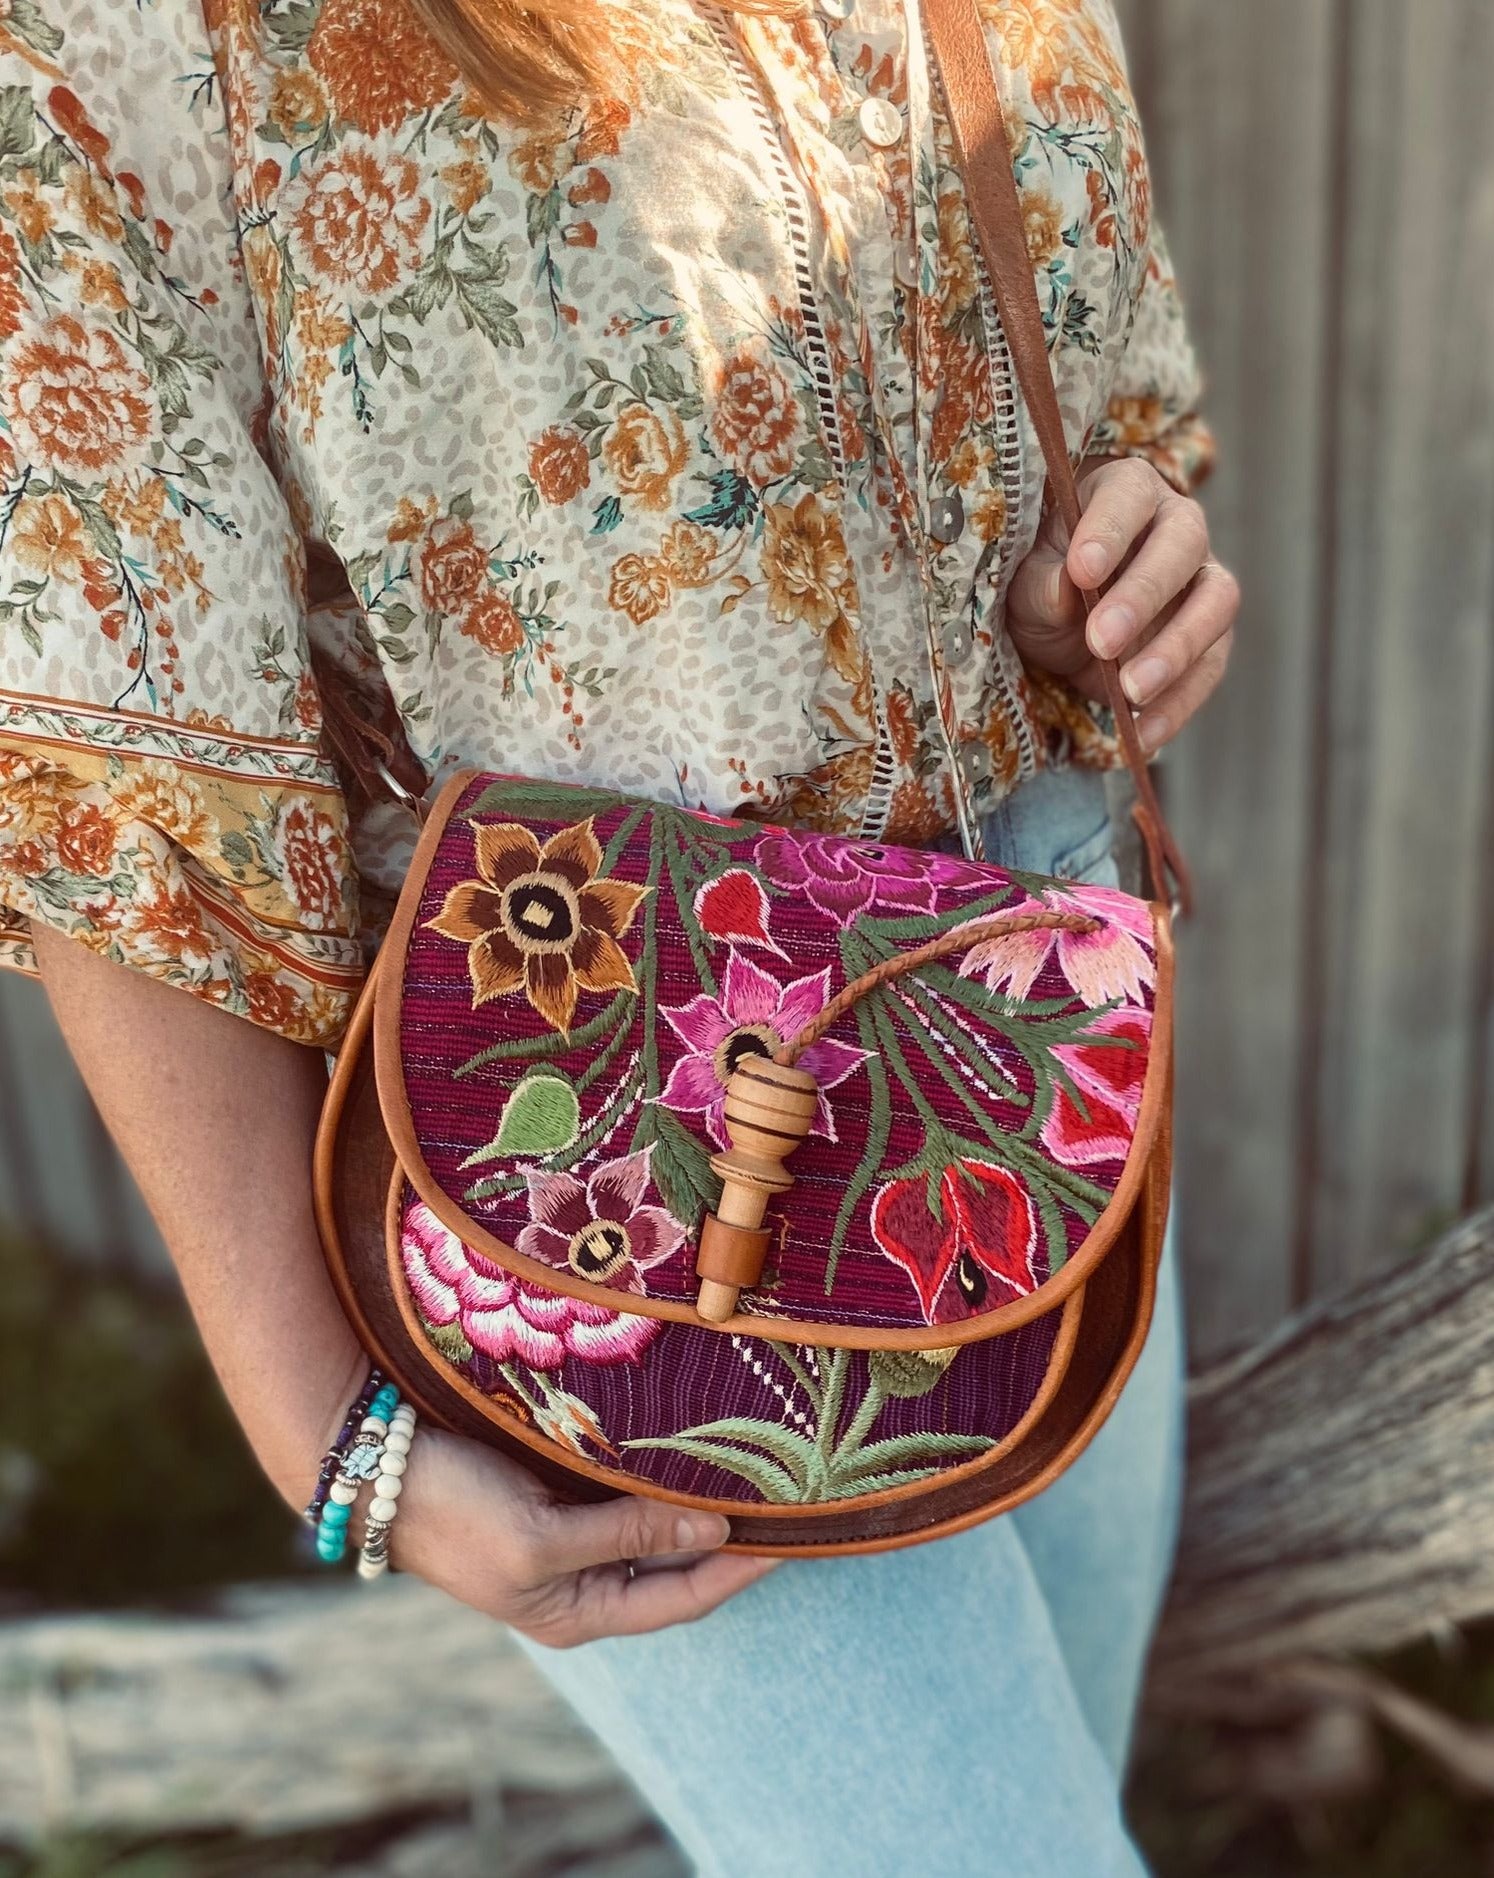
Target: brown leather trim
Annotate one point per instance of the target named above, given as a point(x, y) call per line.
point(616, 1477)
point(731, 1255)
point(394, 1101)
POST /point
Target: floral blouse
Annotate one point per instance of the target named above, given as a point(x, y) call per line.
point(674, 448)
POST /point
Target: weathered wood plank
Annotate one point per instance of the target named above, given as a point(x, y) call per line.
point(1238, 104)
point(1338, 1497)
point(1409, 717)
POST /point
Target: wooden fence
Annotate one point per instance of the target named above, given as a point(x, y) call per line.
point(1325, 169)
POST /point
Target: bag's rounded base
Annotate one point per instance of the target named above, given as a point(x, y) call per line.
point(355, 1166)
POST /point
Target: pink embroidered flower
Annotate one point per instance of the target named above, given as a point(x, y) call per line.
point(1107, 1075)
point(842, 878)
point(753, 1015)
point(1115, 962)
point(501, 1315)
point(602, 1231)
point(985, 1228)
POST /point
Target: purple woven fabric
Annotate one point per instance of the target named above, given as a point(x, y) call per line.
point(699, 1412)
point(585, 972)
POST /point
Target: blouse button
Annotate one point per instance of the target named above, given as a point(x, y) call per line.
point(975, 761)
point(881, 122)
point(946, 519)
point(836, 9)
point(956, 642)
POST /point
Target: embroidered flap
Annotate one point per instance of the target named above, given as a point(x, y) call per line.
point(573, 976)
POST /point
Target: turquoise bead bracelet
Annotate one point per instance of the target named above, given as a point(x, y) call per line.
point(360, 1462)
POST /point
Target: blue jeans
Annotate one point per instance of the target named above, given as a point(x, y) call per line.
point(963, 1708)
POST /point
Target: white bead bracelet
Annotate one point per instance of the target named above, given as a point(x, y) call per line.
point(389, 1483)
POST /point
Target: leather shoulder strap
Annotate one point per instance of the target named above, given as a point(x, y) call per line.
point(978, 124)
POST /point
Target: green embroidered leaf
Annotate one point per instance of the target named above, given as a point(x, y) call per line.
point(540, 801)
point(682, 1169)
point(448, 1339)
point(794, 1452)
point(769, 1479)
point(542, 1116)
point(909, 1373)
point(910, 1450)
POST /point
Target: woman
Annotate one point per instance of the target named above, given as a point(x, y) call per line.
point(608, 393)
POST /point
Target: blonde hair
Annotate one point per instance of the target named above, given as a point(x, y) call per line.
point(527, 60)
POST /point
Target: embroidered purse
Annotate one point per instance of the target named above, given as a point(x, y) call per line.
point(817, 1182)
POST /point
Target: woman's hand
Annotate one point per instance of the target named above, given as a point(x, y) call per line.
point(1170, 615)
point(486, 1531)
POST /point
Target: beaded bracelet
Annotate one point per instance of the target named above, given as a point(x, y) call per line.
point(332, 1459)
point(360, 1462)
point(373, 1560)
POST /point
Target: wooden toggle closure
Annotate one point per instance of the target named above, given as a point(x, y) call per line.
point(769, 1108)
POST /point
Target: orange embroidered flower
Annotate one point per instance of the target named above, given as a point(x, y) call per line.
point(12, 294)
point(639, 587)
point(755, 421)
point(378, 63)
point(493, 621)
point(86, 839)
point(1042, 227)
point(538, 919)
point(361, 221)
point(314, 864)
point(48, 539)
point(601, 130)
point(76, 402)
point(451, 565)
point(645, 452)
point(297, 103)
point(688, 553)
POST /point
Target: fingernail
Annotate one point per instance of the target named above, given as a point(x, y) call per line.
point(1094, 561)
point(1144, 678)
point(1153, 733)
point(702, 1534)
point(1110, 629)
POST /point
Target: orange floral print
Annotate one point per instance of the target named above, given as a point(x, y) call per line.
point(378, 64)
point(75, 400)
point(688, 554)
point(452, 565)
point(86, 839)
point(47, 539)
point(560, 464)
point(602, 129)
point(639, 587)
point(645, 453)
point(493, 621)
point(12, 294)
point(313, 854)
point(756, 420)
point(298, 104)
point(1042, 227)
point(361, 222)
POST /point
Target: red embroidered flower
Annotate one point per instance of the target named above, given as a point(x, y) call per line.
point(1096, 1119)
point(983, 1227)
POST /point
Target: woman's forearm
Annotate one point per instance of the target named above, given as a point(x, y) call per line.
point(216, 1118)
